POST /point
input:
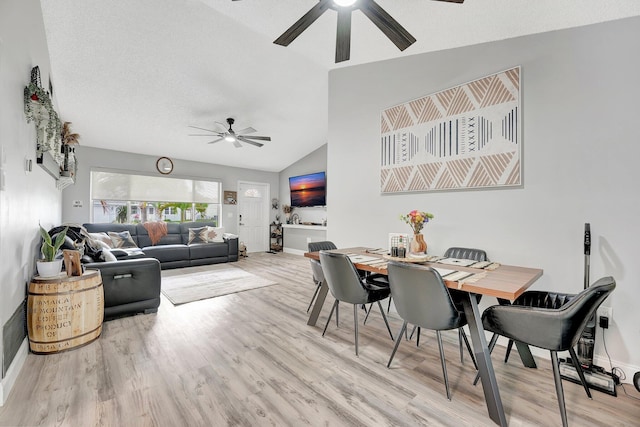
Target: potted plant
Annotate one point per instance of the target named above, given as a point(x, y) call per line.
point(39, 108)
point(69, 142)
point(49, 266)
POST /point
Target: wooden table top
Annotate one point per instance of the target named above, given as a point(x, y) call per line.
point(507, 282)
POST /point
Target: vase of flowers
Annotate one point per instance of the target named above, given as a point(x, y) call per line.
point(417, 219)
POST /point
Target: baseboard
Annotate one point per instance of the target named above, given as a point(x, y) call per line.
point(598, 360)
point(12, 373)
point(293, 251)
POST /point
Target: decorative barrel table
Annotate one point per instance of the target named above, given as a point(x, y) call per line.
point(64, 312)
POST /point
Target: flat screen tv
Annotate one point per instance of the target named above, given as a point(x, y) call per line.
point(308, 190)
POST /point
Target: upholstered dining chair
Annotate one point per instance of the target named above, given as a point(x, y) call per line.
point(472, 254)
point(316, 268)
point(553, 329)
point(346, 285)
point(422, 298)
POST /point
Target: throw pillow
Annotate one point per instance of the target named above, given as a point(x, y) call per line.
point(102, 237)
point(197, 235)
point(122, 240)
point(107, 256)
point(214, 234)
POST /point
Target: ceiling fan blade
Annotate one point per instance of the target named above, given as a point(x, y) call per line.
point(259, 138)
point(205, 134)
point(389, 26)
point(208, 130)
point(222, 125)
point(303, 23)
point(215, 140)
point(237, 143)
point(245, 131)
point(343, 35)
point(257, 144)
point(449, 1)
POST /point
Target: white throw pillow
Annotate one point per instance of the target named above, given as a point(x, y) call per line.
point(214, 234)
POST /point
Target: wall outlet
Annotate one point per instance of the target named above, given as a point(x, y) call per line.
point(606, 312)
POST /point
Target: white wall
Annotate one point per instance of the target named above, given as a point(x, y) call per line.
point(89, 157)
point(28, 198)
point(580, 107)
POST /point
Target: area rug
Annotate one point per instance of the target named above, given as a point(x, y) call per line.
point(216, 281)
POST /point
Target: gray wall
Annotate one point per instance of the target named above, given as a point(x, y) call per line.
point(28, 198)
point(580, 107)
point(313, 162)
point(89, 157)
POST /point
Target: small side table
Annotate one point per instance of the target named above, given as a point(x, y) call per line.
point(64, 312)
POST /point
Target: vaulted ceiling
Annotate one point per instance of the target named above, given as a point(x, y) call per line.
point(134, 75)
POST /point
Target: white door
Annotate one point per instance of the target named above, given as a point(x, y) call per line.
point(253, 215)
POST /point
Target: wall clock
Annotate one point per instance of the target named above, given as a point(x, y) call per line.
point(164, 165)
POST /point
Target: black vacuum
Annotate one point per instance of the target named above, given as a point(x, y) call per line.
point(597, 378)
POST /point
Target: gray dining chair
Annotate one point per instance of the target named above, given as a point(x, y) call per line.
point(316, 268)
point(553, 329)
point(346, 285)
point(422, 298)
point(472, 254)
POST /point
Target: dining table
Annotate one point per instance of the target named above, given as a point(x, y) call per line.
point(504, 282)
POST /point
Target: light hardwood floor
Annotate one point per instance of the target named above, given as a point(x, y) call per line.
point(249, 359)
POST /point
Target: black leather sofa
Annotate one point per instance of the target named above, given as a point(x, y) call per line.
point(130, 286)
point(173, 250)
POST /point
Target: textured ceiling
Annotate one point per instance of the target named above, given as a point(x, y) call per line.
point(133, 75)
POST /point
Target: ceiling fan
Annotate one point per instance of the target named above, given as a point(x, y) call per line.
point(232, 136)
point(389, 26)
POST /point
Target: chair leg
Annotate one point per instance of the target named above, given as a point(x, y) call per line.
point(418, 337)
point(337, 312)
point(389, 305)
point(460, 345)
point(355, 324)
point(556, 376)
point(466, 341)
point(492, 344)
point(313, 298)
point(509, 347)
point(444, 365)
point(576, 365)
point(395, 347)
point(412, 332)
point(386, 322)
point(366, 311)
point(334, 307)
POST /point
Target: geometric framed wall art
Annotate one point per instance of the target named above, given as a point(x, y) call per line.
point(468, 136)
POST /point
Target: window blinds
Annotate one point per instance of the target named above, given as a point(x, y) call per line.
point(143, 188)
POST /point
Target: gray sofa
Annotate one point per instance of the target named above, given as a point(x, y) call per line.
point(132, 284)
point(173, 250)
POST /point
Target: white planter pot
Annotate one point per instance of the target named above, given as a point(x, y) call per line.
point(49, 269)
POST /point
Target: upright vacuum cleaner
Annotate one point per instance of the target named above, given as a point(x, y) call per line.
point(597, 378)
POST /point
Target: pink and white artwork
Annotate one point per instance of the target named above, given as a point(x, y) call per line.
point(468, 136)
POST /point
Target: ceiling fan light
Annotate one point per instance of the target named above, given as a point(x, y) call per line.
point(345, 3)
point(230, 138)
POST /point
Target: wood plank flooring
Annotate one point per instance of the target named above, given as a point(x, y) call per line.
point(249, 359)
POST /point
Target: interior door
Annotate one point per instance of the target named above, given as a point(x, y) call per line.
point(253, 215)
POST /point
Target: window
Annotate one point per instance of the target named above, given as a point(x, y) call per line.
point(128, 198)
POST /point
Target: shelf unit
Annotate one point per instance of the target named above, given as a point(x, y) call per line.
point(275, 234)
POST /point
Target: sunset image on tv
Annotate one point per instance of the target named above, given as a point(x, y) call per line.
point(308, 190)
